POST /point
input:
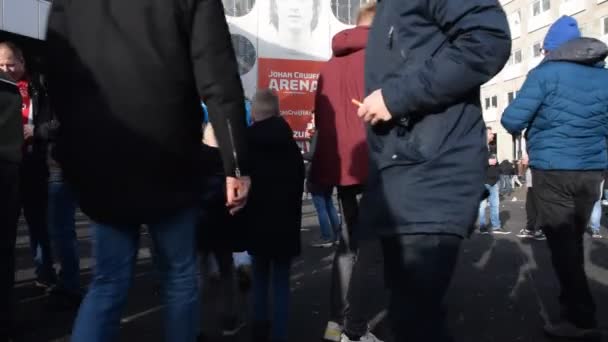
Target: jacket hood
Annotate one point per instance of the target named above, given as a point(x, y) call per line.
point(589, 51)
point(350, 41)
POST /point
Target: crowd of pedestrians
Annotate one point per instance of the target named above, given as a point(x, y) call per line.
point(157, 134)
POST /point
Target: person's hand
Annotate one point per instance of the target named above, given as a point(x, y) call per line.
point(373, 109)
point(237, 193)
point(28, 132)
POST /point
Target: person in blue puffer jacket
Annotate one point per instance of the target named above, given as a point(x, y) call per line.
point(563, 106)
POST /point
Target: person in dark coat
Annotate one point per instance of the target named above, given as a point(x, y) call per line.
point(130, 136)
point(11, 142)
point(425, 63)
point(562, 106)
point(36, 115)
point(273, 214)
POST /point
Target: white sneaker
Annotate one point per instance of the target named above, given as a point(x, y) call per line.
point(333, 332)
point(369, 337)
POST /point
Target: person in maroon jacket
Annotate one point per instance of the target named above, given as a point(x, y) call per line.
point(341, 159)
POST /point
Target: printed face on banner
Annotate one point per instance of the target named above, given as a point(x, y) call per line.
point(295, 82)
point(293, 29)
point(296, 16)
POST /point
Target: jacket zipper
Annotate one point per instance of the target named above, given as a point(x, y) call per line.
point(237, 169)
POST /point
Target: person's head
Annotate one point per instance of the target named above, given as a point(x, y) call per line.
point(366, 14)
point(265, 105)
point(493, 160)
point(295, 15)
point(12, 61)
point(490, 134)
point(562, 31)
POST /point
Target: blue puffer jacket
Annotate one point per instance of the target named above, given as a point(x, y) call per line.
point(564, 106)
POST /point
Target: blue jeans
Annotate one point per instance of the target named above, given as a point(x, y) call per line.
point(62, 230)
point(116, 249)
point(280, 268)
point(329, 221)
point(596, 214)
point(241, 259)
point(596, 217)
point(494, 200)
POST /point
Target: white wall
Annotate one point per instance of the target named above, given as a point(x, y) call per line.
point(24, 17)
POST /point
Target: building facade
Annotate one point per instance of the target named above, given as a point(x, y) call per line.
point(529, 21)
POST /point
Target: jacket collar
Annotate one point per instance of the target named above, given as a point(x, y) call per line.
point(587, 51)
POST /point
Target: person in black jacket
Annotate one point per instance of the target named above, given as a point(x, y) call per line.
point(425, 63)
point(492, 185)
point(36, 118)
point(126, 80)
point(11, 142)
point(274, 214)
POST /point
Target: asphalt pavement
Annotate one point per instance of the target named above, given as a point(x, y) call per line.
point(504, 289)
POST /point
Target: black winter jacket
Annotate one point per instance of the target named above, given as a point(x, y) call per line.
point(11, 128)
point(126, 79)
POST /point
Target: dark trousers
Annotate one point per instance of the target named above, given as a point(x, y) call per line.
point(530, 211)
point(34, 201)
point(418, 271)
point(9, 215)
point(564, 200)
point(352, 266)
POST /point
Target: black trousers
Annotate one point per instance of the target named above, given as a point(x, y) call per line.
point(9, 216)
point(530, 211)
point(565, 200)
point(34, 187)
point(418, 270)
point(356, 266)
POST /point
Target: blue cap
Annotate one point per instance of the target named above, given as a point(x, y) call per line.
point(563, 30)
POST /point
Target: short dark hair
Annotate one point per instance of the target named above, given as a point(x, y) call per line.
point(274, 15)
point(15, 49)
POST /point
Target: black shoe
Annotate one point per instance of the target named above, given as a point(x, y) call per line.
point(231, 326)
point(525, 234)
point(483, 230)
point(569, 330)
point(500, 231)
point(44, 284)
point(539, 235)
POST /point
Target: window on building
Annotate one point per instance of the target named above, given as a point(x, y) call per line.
point(510, 97)
point(346, 11)
point(515, 18)
point(491, 102)
point(516, 57)
point(605, 26)
point(537, 49)
point(540, 6)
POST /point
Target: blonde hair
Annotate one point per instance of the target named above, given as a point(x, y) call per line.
point(367, 12)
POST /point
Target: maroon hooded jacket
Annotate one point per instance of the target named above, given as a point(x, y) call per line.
point(341, 155)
